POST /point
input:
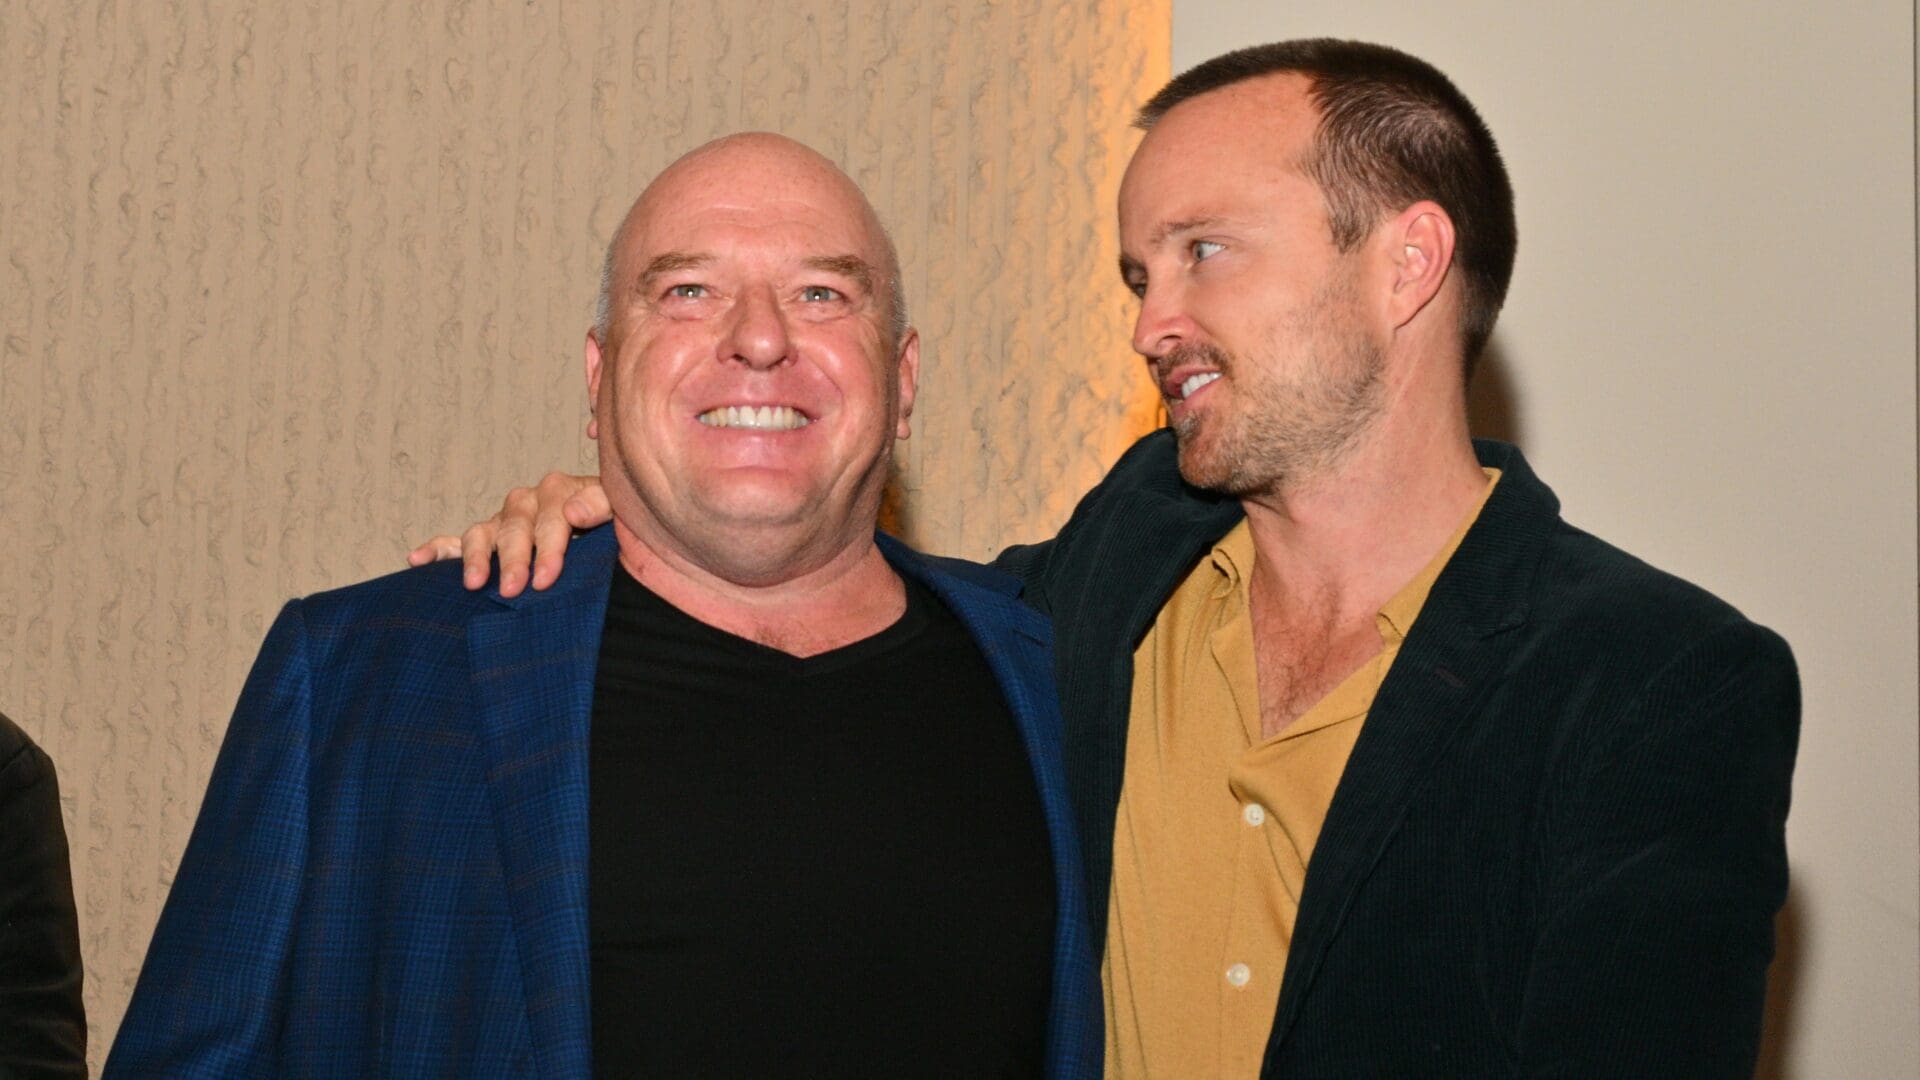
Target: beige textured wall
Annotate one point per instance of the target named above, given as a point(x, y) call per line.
point(1709, 352)
point(285, 285)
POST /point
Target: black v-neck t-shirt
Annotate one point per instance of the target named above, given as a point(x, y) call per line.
point(829, 866)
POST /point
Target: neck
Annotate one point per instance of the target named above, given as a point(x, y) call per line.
point(1346, 540)
point(852, 595)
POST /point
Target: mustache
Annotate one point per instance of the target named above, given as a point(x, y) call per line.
point(1205, 354)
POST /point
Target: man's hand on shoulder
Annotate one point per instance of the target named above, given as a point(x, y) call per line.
point(539, 519)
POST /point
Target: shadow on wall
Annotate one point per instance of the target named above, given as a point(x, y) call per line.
point(1782, 1016)
point(1492, 408)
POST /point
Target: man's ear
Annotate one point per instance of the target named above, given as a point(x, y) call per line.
point(907, 370)
point(1420, 240)
point(594, 371)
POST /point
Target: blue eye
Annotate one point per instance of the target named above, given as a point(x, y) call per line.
point(687, 292)
point(819, 294)
point(1203, 250)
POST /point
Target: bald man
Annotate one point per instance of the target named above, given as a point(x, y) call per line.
point(752, 791)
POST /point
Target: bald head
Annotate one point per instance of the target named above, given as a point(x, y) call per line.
point(746, 395)
point(754, 165)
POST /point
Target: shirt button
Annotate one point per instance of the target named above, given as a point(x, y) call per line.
point(1254, 813)
point(1238, 974)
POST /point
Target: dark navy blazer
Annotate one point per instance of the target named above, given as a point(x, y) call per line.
point(388, 876)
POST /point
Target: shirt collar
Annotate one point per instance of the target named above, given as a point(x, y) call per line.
point(1232, 558)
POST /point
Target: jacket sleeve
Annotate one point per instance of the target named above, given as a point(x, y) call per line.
point(43, 1026)
point(1029, 563)
point(1666, 864)
point(211, 993)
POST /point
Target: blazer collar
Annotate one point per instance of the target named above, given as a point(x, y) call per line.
point(970, 588)
point(532, 664)
point(1452, 657)
point(1489, 578)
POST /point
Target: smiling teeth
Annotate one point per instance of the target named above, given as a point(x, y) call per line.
point(764, 418)
point(1195, 382)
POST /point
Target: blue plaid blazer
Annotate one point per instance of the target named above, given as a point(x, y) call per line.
point(388, 876)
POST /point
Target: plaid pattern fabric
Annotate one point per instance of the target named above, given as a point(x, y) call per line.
point(388, 876)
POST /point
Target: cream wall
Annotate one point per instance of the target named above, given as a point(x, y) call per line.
point(285, 285)
point(1709, 352)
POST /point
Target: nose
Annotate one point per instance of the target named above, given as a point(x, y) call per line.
point(1162, 323)
point(757, 331)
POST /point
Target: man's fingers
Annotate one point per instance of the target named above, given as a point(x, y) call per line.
point(537, 520)
point(555, 518)
point(440, 547)
point(588, 506)
point(513, 539)
point(476, 554)
point(550, 535)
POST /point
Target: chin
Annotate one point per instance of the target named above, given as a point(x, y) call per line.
point(1200, 464)
point(760, 513)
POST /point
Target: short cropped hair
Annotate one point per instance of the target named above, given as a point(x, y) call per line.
point(1393, 130)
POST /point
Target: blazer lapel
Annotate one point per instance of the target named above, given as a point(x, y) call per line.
point(984, 600)
point(1160, 533)
point(532, 669)
point(1452, 658)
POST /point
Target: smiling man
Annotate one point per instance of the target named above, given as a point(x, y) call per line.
point(1383, 768)
point(751, 792)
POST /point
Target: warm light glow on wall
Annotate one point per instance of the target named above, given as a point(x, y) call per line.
point(287, 286)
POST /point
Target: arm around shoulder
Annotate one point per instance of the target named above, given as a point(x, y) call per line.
point(209, 999)
point(1665, 864)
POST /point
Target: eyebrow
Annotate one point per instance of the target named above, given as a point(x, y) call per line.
point(671, 262)
point(1131, 266)
point(1175, 228)
point(852, 267)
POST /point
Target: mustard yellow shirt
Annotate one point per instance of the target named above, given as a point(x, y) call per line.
point(1216, 824)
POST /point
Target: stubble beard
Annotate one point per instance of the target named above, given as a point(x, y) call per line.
point(1282, 432)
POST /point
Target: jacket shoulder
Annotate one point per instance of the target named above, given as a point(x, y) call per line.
point(15, 744)
point(1150, 468)
point(987, 598)
point(978, 575)
point(419, 598)
point(1616, 606)
point(1141, 519)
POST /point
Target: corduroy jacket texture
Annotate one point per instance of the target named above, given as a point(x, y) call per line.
point(1558, 847)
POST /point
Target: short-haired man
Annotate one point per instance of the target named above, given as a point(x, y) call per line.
point(752, 792)
point(1402, 775)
